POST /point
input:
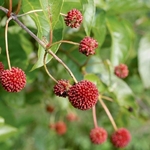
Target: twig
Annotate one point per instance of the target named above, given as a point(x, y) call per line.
point(60, 61)
point(10, 8)
point(44, 62)
point(107, 98)
point(108, 114)
point(94, 116)
point(18, 7)
point(64, 15)
point(4, 9)
point(29, 12)
point(6, 42)
point(14, 17)
point(64, 41)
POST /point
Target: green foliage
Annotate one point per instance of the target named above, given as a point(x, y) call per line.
point(88, 15)
point(144, 59)
point(6, 131)
point(42, 20)
point(121, 39)
point(121, 29)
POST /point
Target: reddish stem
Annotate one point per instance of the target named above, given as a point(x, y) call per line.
point(18, 7)
point(108, 114)
point(94, 116)
point(10, 8)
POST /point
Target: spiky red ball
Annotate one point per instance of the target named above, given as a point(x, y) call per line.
point(13, 80)
point(61, 88)
point(121, 71)
point(98, 135)
point(88, 45)
point(60, 128)
point(74, 18)
point(83, 95)
point(1, 67)
point(121, 138)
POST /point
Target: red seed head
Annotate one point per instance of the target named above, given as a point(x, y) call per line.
point(13, 80)
point(50, 108)
point(88, 45)
point(61, 88)
point(71, 117)
point(1, 67)
point(73, 18)
point(98, 135)
point(121, 71)
point(121, 138)
point(83, 95)
point(60, 128)
point(52, 126)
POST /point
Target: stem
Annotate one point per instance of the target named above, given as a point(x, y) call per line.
point(65, 41)
point(28, 31)
point(6, 43)
point(18, 7)
point(60, 61)
point(4, 9)
point(64, 15)
point(44, 61)
point(94, 116)
point(72, 58)
point(29, 12)
point(10, 8)
point(107, 98)
point(108, 114)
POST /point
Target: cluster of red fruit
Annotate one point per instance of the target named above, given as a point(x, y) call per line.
point(88, 45)
point(84, 94)
point(119, 138)
point(12, 80)
point(60, 127)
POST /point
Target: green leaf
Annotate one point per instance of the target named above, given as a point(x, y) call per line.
point(88, 15)
point(122, 39)
point(126, 6)
point(99, 28)
point(57, 36)
point(144, 60)
point(17, 52)
point(50, 8)
point(6, 132)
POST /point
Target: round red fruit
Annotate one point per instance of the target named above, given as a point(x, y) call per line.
point(73, 18)
point(83, 95)
point(13, 80)
point(121, 138)
point(98, 135)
